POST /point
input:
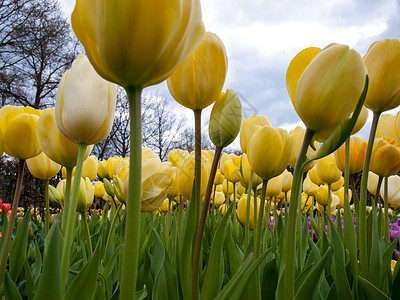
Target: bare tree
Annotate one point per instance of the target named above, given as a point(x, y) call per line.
point(39, 48)
point(186, 140)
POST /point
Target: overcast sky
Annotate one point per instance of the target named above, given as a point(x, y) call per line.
point(262, 36)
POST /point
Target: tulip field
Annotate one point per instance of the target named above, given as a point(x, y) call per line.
point(308, 214)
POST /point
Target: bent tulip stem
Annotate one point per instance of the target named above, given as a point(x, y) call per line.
point(132, 228)
point(288, 276)
point(69, 229)
point(362, 233)
point(202, 223)
point(10, 228)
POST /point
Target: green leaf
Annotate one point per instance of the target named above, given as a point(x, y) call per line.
point(83, 286)
point(232, 257)
point(372, 291)
point(215, 269)
point(50, 280)
point(38, 263)
point(269, 281)
point(343, 290)
point(18, 248)
point(30, 285)
point(165, 282)
point(238, 283)
point(10, 288)
point(308, 287)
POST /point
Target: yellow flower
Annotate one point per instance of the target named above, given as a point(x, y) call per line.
point(241, 210)
point(54, 144)
point(199, 79)
point(385, 158)
point(225, 119)
point(358, 149)
point(219, 177)
point(274, 186)
point(85, 104)
point(309, 187)
point(298, 137)
point(287, 179)
point(269, 151)
point(89, 168)
point(137, 43)
point(99, 190)
point(85, 195)
point(337, 184)
point(102, 169)
point(219, 198)
point(249, 127)
point(112, 163)
point(164, 206)
point(243, 170)
point(340, 76)
point(382, 61)
point(227, 186)
point(327, 169)
point(18, 126)
point(185, 176)
point(373, 183)
point(386, 126)
point(393, 191)
point(340, 194)
point(362, 119)
point(42, 166)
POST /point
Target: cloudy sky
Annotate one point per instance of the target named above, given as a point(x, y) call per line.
point(262, 36)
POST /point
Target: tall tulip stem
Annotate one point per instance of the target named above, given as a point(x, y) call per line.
point(66, 200)
point(291, 225)
point(247, 224)
point(69, 229)
point(87, 232)
point(258, 229)
point(46, 197)
point(202, 223)
point(386, 207)
point(132, 228)
point(10, 228)
point(362, 233)
point(197, 164)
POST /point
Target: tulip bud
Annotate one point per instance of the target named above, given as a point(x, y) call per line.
point(109, 188)
point(54, 195)
point(42, 166)
point(219, 198)
point(241, 210)
point(385, 158)
point(99, 190)
point(119, 189)
point(298, 137)
point(225, 119)
point(85, 195)
point(327, 169)
point(102, 169)
point(249, 127)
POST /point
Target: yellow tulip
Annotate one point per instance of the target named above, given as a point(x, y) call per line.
point(322, 194)
point(358, 149)
point(225, 119)
point(42, 166)
point(137, 43)
point(199, 79)
point(99, 190)
point(386, 126)
point(89, 168)
point(373, 183)
point(243, 171)
point(112, 163)
point(174, 156)
point(164, 207)
point(54, 144)
point(385, 158)
point(334, 203)
point(219, 178)
point(227, 186)
point(337, 184)
point(306, 201)
point(309, 187)
point(393, 192)
point(274, 186)
point(241, 210)
point(55, 196)
point(85, 195)
point(382, 61)
point(223, 209)
point(340, 73)
point(219, 198)
point(327, 169)
point(185, 176)
point(85, 104)
point(298, 137)
point(19, 131)
point(228, 165)
point(362, 119)
point(249, 127)
point(269, 151)
point(102, 169)
point(340, 194)
point(287, 179)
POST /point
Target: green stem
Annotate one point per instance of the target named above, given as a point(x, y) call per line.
point(197, 166)
point(111, 231)
point(260, 220)
point(132, 231)
point(10, 228)
point(377, 191)
point(85, 223)
point(385, 199)
point(202, 223)
point(69, 229)
point(46, 197)
point(67, 194)
point(246, 228)
point(291, 227)
point(329, 210)
point(180, 214)
point(362, 232)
